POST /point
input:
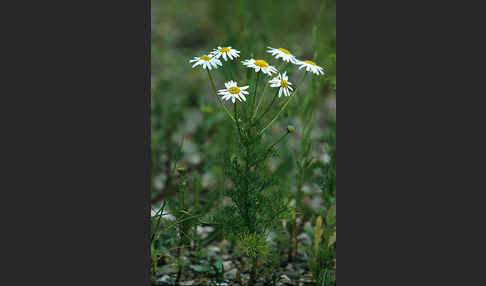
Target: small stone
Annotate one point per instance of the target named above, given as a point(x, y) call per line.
point(227, 265)
point(316, 203)
point(325, 158)
point(231, 274)
point(213, 250)
point(203, 231)
point(306, 279)
point(164, 279)
point(285, 279)
point(304, 238)
point(194, 158)
point(289, 267)
point(207, 180)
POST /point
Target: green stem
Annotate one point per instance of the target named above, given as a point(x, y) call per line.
point(284, 106)
point(269, 149)
point(268, 107)
point(263, 94)
point(236, 120)
point(216, 94)
point(278, 141)
point(260, 100)
point(254, 95)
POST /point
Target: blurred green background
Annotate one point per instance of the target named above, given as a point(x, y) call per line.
point(182, 103)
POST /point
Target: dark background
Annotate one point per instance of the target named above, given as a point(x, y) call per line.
point(73, 192)
point(75, 151)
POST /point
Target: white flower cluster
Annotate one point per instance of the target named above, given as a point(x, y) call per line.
point(233, 92)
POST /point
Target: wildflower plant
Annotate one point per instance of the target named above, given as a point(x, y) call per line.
point(257, 200)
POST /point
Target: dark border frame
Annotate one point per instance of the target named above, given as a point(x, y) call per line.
point(147, 121)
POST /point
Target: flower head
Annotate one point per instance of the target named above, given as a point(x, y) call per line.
point(284, 54)
point(311, 66)
point(207, 62)
point(282, 81)
point(233, 91)
point(260, 65)
point(226, 52)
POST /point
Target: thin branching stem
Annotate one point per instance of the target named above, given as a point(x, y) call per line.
point(268, 107)
point(260, 101)
point(255, 95)
point(278, 141)
point(269, 149)
point(284, 106)
point(236, 120)
point(263, 94)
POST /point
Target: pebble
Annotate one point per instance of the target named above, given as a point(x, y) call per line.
point(213, 250)
point(228, 265)
point(204, 231)
point(164, 279)
point(306, 279)
point(231, 274)
point(285, 279)
point(289, 267)
point(304, 238)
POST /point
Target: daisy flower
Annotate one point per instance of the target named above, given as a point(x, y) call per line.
point(260, 65)
point(284, 54)
point(233, 92)
point(310, 66)
point(282, 81)
point(207, 62)
point(226, 52)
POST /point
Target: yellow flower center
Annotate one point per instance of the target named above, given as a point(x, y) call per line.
point(234, 90)
point(310, 62)
point(261, 63)
point(224, 50)
point(205, 58)
point(284, 50)
point(284, 83)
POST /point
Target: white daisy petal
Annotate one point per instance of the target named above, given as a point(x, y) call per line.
point(207, 62)
point(233, 92)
